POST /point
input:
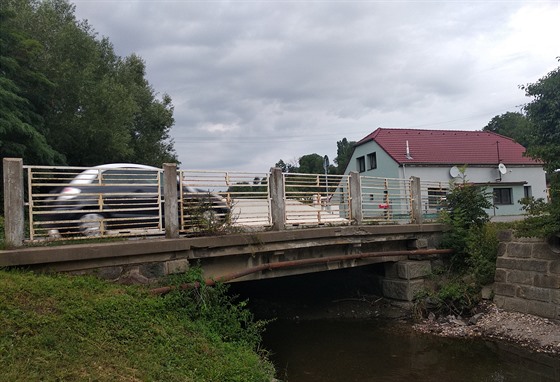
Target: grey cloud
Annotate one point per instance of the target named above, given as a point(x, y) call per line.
point(253, 82)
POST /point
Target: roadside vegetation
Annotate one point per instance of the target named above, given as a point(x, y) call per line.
point(55, 328)
point(455, 287)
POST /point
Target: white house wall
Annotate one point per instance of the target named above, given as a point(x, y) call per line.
point(533, 176)
point(387, 167)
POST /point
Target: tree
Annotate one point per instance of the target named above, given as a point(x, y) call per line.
point(20, 124)
point(311, 164)
point(512, 124)
point(544, 113)
point(344, 150)
point(100, 108)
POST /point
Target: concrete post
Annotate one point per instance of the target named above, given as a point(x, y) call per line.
point(416, 198)
point(171, 215)
point(13, 202)
point(277, 199)
point(355, 185)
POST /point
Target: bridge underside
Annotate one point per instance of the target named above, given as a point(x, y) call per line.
point(235, 257)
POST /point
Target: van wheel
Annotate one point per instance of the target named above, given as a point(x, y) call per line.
point(92, 225)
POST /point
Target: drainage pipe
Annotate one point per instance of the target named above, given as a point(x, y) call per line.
point(298, 263)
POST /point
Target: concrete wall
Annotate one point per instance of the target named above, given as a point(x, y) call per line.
point(527, 276)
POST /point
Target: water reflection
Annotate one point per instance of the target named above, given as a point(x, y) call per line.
point(377, 350)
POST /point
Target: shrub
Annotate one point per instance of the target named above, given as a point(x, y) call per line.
point(465, 215)
point(472, 265)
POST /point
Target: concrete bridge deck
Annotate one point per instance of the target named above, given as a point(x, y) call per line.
point(245, 256)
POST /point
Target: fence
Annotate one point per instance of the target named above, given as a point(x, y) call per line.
point(77, 202)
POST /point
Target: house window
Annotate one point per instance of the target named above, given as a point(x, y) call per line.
point(527, 192)
point(436, 196)
point(372, 161)
point(502, 196)
point(361, 164)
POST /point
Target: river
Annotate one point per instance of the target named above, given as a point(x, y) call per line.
point(323, 331)
point(385, 350)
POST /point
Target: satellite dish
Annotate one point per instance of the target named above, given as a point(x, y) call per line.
point(454, 171)
point(502, 168)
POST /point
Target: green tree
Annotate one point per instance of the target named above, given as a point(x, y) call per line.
point(286, 167)
point(544, 113)
point(311, 164)
point(20, 124)
point(101, 108)
point(465, 215)
point(344, 150)
point(512, 124)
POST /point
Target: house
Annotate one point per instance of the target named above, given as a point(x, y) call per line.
point(490, 160)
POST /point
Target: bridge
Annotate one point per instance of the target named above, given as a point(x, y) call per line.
point(407, 250)
point(298, 233)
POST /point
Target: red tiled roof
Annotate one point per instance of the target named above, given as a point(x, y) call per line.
point(448, 147)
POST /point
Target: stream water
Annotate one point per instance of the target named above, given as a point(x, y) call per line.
point(324, 332)
point(382, 350)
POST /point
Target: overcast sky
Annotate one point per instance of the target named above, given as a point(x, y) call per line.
point(253, 82)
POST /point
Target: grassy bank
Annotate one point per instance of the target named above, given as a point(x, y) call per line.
point(59, 328)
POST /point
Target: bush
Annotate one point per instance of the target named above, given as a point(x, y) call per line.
point(465, 216)
point(543, 219)
point(473, 263)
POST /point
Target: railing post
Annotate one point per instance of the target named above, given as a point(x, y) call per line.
point(14, 222)
point(171, 215)
point(416, 200)
point(355, 185)
point(277, 199)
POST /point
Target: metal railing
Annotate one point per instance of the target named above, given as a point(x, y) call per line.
point(245, 195)
point(63, 202)
point(386, 200)
point(433, 196)
point(316, 199)
point(77, 202)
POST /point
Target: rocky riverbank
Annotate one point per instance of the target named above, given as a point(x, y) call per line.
point(535, 333)
point(531, 332)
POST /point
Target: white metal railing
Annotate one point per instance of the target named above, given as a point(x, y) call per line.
point(433, 195)
point(386, 200)
point(76, 202)
point(63, 202)
point(316, 199)
point(246, 195)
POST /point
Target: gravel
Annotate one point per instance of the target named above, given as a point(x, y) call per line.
point(535, 333)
